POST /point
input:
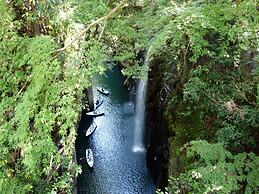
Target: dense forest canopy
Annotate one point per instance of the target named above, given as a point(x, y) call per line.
point(208, 49)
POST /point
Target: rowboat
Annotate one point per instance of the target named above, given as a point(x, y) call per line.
point(102, 90)
point(89, 157)
point(95, 113)
point(91, 129)
point(98, 103)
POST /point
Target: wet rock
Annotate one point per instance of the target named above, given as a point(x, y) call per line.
point(157, 152)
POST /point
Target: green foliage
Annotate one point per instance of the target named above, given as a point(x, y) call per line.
point(40, 102)
point(217, 170)
point(120, 34)
point(210, 44)
point(89, 10)
point(42, 87)
point(212, 47)
point(94, 57)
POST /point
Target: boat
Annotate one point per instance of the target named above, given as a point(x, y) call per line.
point(91, 129)
point(98, 103)
point(95, 113)
point(102, 90)
point(89, 157)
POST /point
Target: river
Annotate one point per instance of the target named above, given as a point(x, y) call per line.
point(117, 168)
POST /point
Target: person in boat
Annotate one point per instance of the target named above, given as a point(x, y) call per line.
point(103, 91)
point(88, 155)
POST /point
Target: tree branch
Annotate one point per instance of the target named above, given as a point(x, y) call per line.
point(93, 24)
point(20, 91)
point(50, 168)
point(101, 34)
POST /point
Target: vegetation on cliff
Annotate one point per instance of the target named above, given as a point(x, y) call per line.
point(211, 49)
point(49, 53)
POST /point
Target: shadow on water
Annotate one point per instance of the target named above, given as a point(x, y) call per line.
point(117, 169)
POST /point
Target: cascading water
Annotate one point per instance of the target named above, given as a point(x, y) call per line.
point(141, 110)
point(140, 116)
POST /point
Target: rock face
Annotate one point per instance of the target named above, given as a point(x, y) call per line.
point(158, 134)
point(88, 99)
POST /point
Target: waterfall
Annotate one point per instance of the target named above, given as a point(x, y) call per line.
point(140, 114)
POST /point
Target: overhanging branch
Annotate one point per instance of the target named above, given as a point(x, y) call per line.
point(114, 10)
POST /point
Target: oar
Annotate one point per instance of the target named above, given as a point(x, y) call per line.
point(85, 157)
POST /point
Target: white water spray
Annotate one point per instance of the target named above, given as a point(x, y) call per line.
point(141, 110)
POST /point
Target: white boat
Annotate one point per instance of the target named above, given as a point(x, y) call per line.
point(95, 113)
point(102, 90)
point(91, 129)
point(89, 157)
